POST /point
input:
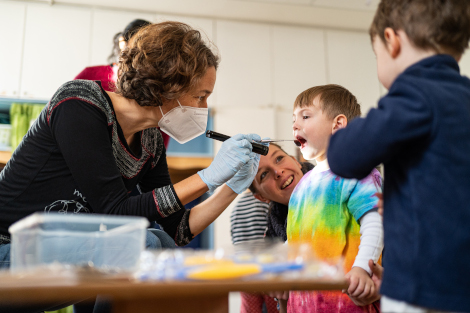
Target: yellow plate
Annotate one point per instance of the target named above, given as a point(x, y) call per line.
point(226, 271)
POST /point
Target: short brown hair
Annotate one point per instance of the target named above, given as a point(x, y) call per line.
point(440, 25)
point(163, 60)
point(334, 100)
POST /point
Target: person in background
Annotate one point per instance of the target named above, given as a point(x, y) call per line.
point(90, 147)
point(421, 133)
point(106, 74)
point(248, 225)
point(267, 187)
point(131, 28)
point(248, 219)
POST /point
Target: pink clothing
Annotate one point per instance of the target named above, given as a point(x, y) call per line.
point(253, 303)
point(106, 75)
point(103, 73)
point(326, 302)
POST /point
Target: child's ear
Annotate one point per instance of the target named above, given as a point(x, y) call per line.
point(339, 122)
point(392, 42)
point(260, 198)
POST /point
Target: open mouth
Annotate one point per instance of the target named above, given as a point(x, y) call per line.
point(302, 141)
point(287, 183)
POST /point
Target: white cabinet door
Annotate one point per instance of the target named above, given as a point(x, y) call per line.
point(299, 62)
point(12, 17)
point(245, 73)
point(233, 120)
point(204, 25)
point(107, 23)
point(465, 64)
point(284, 130)
point(56, 49)
point(352, 64)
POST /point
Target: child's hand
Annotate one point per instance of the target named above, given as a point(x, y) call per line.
point(377, 272)
point(361, 285)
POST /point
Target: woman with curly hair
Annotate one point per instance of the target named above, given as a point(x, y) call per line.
point(90, 147)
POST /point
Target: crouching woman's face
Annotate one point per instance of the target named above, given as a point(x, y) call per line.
point(277, 176)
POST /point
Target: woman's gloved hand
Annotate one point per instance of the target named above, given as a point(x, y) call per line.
point(232, 156)
point(243, 179)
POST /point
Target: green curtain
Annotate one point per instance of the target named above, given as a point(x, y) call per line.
point(22, 115)
point(68, 309)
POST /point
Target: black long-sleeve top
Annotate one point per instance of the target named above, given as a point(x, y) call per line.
point(74, 159)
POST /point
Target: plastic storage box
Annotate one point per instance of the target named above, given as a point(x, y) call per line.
point(104, 242)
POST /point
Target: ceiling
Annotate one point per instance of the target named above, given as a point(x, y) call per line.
point(362, 5)
point(333, 14)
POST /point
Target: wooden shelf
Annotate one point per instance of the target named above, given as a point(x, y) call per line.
point(186, 163)
point(5, 156)
point(182, 167)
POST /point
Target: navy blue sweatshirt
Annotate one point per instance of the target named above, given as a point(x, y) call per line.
point(421, 133)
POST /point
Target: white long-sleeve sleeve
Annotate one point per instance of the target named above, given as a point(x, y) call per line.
point(372, 241)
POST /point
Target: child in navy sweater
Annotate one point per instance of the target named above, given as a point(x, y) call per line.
point(421, 133)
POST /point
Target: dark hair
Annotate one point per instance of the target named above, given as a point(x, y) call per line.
point(114, 56)
point(252, 186)
point(334, 100)
point(163, 60)
point(440, 25)
point(133, 27)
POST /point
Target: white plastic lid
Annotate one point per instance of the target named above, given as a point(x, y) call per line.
point(39, 218)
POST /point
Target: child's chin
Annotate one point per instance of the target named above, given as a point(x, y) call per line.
point(308, 154)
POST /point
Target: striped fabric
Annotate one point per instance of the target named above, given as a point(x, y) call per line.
point(166, 201)
point(248, 219)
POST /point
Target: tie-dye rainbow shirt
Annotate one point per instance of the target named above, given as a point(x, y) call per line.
point(324, 210)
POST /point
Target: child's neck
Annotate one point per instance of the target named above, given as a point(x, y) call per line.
point(322, 166)
point(410, 54)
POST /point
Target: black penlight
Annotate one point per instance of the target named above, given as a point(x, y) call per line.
point(257, 148)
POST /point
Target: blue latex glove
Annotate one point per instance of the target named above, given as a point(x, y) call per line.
point(243, 179)
point(233, 155)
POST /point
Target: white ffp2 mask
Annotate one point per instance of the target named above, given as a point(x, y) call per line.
point(184, 123)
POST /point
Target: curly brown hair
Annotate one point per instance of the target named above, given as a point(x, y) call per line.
point(334, 100)
point(163, 60)
point(439, 25)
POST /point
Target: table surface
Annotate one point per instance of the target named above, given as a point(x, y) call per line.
point(17, 288)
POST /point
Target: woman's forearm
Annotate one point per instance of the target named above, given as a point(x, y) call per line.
point(206, 212)
point(190, 188)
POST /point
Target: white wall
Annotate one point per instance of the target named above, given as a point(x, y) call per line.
point(264, 66)
point(12, 17)
point(344, 14)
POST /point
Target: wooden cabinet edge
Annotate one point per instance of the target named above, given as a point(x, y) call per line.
point(184, 163)
point(5, 156)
